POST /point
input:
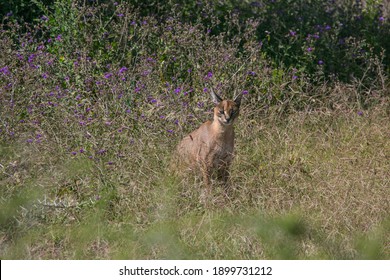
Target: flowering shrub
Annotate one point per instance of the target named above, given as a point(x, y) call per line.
point(344, 35)
point(117, 70)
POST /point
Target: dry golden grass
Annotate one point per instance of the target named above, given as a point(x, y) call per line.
point(315, 185)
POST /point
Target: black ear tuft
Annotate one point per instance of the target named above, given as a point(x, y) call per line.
point(216, 98)
point(237, 100)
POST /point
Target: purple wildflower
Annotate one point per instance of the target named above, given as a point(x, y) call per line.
point(146, 72)
point(209, 75)
point(320, 62)
point(122, 70)
point(5, 70)
point(108, 75)
point(360, 113)
point(31, 58)
point(251, 73)
point(244, 92)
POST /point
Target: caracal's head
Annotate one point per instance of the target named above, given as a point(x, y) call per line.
point(226, 111)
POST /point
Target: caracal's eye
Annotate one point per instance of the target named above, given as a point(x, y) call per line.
point(221, 112)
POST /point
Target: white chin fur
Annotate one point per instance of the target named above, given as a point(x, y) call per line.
point(224, 122)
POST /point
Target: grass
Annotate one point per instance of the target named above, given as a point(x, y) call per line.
point(314, 186)
point(95, 95)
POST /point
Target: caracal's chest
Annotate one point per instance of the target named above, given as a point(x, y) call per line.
point(217, 152)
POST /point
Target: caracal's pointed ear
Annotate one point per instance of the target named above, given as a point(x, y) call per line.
point(216, 98)
point(237, 100)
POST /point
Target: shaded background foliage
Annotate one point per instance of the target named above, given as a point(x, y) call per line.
point(300, 34)
point(339, 35)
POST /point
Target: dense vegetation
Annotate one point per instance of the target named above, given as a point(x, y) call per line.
point(94, 96)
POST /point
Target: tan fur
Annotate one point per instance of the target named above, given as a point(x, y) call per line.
point(210, 147)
